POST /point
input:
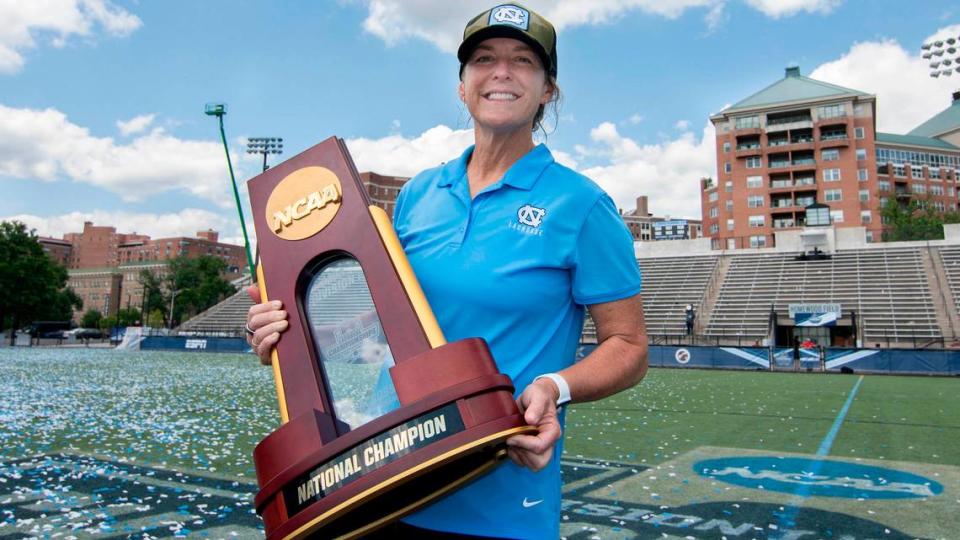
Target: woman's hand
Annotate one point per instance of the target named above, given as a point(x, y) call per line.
point(538, 403)
point(266, 321)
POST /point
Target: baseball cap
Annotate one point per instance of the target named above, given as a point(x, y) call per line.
point(512, 21)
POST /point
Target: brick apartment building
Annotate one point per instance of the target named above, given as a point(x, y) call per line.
point(104, 265)
point(800, 142)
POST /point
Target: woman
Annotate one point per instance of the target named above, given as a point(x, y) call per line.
point(511, 246)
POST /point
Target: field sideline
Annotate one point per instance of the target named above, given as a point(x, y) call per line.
point(114, 444)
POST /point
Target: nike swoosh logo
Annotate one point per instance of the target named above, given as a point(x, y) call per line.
point(528, 504)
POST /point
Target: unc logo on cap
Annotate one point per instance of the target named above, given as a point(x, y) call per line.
point(510, 14)
point(530, 215)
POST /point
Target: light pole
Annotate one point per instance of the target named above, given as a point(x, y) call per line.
point(265, 145)
point(218, 110)
point(173, 297)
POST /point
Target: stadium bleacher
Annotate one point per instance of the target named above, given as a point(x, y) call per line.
point(887, 287)
point(669, 285)
point(950, 257)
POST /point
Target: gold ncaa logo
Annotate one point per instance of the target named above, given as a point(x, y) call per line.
point(304, 203)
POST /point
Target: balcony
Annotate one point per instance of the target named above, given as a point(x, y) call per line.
point(779, 164)
point(834, 141)
point(841, 118)
point(744, 150)
point(796, 122)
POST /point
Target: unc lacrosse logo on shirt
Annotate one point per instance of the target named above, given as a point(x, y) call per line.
point(530, 215)
point(510, 14)
point(529, 219)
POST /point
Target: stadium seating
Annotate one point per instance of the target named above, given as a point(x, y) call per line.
point(887, 287)
point(950, 257)
point(669, 284)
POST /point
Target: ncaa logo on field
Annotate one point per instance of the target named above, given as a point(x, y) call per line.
point(682, 356)
point(511, 15)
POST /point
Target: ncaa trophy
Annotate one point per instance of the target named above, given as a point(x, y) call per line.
point(380, 416)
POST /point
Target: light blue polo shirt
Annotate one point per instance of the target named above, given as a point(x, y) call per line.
point(516, 266)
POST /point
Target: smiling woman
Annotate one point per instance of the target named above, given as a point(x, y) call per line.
point(511, 246)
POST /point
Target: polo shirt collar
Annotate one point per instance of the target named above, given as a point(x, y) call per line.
point(522, 175)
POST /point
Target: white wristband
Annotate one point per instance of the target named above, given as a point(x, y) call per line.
point(561, 384)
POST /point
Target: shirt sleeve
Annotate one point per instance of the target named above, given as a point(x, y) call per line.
point(604, 265)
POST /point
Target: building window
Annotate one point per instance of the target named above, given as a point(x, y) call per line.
point(728, 186)
point(836, 216)
point(714, 212)
point(833, 195)
point(754, 181)
point(831, 175)
point(863, 175)
point(758, 241)
point(864, 195)
point(934, 173)
point(883, 201)
point(755, 201)
point(916, 172)
point(858, 132)
point(756, 221)
point(754, 162)
point(899, 170)
point(713, 196)
point(726, 147)
point(729, 224)
point(861, 154)
point(830, 155)
point(714, 229)
point(727, 168)
point(831, 111)
point(919, 189)
point(884, 185)
point(747, 122)
point(936, 190)
point(869, 236)
point(728, 205)
point(865, 217)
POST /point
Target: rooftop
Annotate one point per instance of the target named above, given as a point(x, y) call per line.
point(945, 121)
point(915, 140)
point(791, 88)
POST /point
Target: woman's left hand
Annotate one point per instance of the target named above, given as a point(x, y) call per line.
point(538, 403)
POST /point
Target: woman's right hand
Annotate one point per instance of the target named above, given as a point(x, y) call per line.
point(266, 320)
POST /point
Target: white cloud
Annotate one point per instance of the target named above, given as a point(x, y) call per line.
point(183, 223)
point(906, 94)
point(441, 23)
point(786, 8)
point(397, 155)
point(135, 124)
point(635, 119)
point(25, 21)
point(668, 172)
point(682, 125)
point(44, 145)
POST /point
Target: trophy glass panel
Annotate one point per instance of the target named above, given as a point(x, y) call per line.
point(350, 343)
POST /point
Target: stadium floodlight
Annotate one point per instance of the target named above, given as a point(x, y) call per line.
point(218, 110)
point(265, 145)
point(943, 56)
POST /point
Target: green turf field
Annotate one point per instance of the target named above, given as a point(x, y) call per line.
point(99, 443)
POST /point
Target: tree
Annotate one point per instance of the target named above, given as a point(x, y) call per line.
point(155, 319)
point(33, 285)
point(919, 220)
point(153, 297)
point(127, 317)
point(91, 319)
point(198, 283)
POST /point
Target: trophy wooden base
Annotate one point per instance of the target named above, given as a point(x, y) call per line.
point(370, 476)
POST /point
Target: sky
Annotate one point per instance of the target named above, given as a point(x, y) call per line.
point(101, 101)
